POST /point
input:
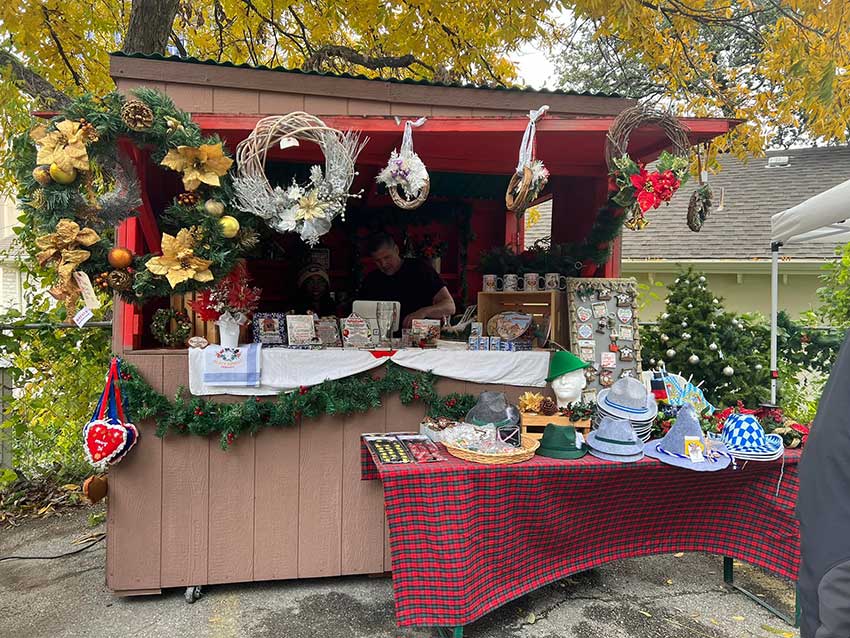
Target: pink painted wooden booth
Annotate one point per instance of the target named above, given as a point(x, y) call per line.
point(286, 503)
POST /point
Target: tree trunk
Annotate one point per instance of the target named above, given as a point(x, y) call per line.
point(150, 25)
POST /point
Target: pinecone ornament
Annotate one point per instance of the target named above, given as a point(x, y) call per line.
point(120, 280)
point(38, 199)
point(188, 198)
point(548, 407)
point(247, 239)
point(136, 115)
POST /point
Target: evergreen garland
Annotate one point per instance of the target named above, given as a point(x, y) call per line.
point(44, 205)
point(351, 395)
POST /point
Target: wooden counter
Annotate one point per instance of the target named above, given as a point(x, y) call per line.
point(285, 503)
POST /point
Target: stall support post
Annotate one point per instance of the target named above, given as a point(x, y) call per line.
point(774, 309)
point(729, 579)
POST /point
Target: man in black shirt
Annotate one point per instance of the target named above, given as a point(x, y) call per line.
point(412, 282)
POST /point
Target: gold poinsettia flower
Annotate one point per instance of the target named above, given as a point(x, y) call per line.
point(178, 261)
point(64, 246)
point(309, 207)
point(530, 402)
point(205, 163)
point(65, 147)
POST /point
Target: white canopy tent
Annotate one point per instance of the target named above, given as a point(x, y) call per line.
point(822, 218)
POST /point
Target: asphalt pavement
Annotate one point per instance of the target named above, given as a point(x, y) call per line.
point(657, 597)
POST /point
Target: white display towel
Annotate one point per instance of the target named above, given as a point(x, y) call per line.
point(232, 366)
point(284, 369)
point(506, 368)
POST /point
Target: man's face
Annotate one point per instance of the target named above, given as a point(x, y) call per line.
point(387, 259)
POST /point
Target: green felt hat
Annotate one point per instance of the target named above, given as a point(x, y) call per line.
point(560, 442)
point(563, 362)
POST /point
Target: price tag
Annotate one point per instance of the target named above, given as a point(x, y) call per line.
point(83, 316)
point(694, 449)
point(89, 296)
point(703, 177)
point(288, 142)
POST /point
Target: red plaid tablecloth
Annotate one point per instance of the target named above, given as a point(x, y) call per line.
point(468, 538)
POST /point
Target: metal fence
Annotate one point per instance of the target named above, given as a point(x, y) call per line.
point(50, 375)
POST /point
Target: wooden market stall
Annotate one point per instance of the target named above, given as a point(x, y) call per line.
point(289, 503)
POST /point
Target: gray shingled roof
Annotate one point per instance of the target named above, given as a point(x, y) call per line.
point(753, 193)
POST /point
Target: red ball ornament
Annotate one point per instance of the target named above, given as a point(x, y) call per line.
point(230, 438)
point(303, 390)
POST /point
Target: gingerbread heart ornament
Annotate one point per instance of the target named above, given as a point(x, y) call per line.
point(103, 441)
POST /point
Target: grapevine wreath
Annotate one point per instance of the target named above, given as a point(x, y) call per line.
point(76, 183)
point(163, 332)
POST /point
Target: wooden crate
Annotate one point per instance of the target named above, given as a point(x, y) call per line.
point(537, 304)
point(206, 329)
point(534, 424)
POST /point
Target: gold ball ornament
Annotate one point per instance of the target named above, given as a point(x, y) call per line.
point(120, 258)
point(41, 174)
point(214, 207)
point(62, 177)
point(229, 226)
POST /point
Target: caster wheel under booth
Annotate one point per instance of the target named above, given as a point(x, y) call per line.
point(192, 594)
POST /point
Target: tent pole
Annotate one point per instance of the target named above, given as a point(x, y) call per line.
point(774, 310)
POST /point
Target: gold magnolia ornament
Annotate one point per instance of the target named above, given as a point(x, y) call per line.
point(202, 164)
point(136, 115)
point(120, 280)
point(64, 149)
point(229, 226)
point(173, 124)
point(530, 402)
point(64, 247)
point(309, 207)
point(178, 262)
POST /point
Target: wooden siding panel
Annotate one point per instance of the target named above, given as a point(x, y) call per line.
point(227, 100)
point(450, 111)
point(280, 103)
point(363, 518)
point(320, 488)
point(368, 107)
point(410, 110)
point(185, 510)
point(194, 99)
point(276, 493)
point(231, 520)
point(176, 374)
point(325, 105)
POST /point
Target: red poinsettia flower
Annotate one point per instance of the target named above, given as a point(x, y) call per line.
point(644, 184)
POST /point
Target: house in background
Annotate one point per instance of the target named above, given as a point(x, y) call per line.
point(733, 247)
point(11, 282)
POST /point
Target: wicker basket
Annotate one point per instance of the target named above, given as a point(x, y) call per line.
point(529, 446)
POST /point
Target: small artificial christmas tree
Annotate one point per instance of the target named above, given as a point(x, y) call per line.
point(695, 337)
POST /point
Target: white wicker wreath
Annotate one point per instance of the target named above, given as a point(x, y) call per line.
point(307, 209)
point(406, 171)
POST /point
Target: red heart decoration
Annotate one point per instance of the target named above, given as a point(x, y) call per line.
point(103, 440)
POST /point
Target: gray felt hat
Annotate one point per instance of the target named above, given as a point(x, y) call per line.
point(629, 399)
point(671, 449)
point(493, 409)
point(615, 440)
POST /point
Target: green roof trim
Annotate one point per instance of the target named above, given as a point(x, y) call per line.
point(354, 76)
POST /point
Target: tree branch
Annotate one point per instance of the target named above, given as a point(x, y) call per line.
point(32, 83)
point(178, 44)
point(60, 48)
point(323, 54)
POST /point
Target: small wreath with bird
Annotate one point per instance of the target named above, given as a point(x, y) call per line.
point(162, 330)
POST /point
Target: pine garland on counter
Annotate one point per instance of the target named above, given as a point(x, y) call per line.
point(203, 417)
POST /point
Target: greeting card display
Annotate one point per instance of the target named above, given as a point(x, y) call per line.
point(270, 328)
point(300, 329)
point(604, 329)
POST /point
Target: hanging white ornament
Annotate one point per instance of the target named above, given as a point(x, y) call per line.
point(693, 359)
point(712, 325)
point(714, 301)
point(684, 324)
point(666, 301)
point(690, 305)
point(406, 171)
point(664, 338)
point(652, 362)
point(686, 335)
point(677, 280)
point(728, 371)
point(758, 366)
point(735, 322)
point(702, 280)
point(671, 353)
point(666, 315)
point(712, 346)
